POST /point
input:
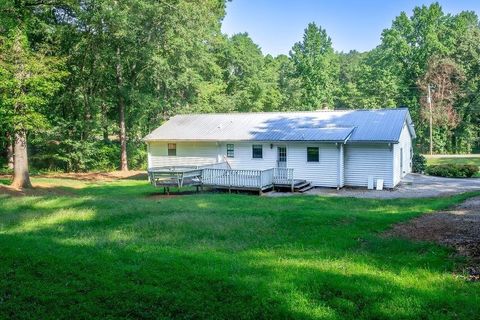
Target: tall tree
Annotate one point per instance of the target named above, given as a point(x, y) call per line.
point(317, 68)
point(28, 79)
point(441, 88)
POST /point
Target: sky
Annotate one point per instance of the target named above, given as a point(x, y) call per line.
point(275, 25)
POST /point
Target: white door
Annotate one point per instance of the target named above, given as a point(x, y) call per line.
point(282, 157)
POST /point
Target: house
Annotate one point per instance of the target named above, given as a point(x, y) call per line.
point(326, 148)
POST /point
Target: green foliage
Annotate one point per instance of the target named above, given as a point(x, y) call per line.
point(316, 68)
point(155, 59)
point(452, 170)
point(28, 80)
point(121, 250)
point(419, 163)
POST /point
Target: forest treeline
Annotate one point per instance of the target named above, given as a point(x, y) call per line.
point(81, 82)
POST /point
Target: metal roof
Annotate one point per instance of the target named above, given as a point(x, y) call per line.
point(382, 125)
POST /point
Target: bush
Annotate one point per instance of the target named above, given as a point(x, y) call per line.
point(419, 163)
point(452, 170)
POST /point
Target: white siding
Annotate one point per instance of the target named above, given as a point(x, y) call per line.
point(363, 160)
point(404, 145)
point(341, 166)
point(323, 173)
point(338, 165)
point(188, 154)
point(327, 172)
point(243, 159)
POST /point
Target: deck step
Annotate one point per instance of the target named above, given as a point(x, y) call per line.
point(305, 188)
point(301, 184)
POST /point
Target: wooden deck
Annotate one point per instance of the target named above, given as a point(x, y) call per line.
point(222, 177)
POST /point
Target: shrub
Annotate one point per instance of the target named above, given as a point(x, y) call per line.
point(452, 170)
point(419, 163)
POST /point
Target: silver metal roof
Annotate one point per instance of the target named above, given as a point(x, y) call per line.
point(383, 125)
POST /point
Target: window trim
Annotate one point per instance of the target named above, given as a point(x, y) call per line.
point(261, 151)
point(317, 156)
point(169, 149)
point(232, 150)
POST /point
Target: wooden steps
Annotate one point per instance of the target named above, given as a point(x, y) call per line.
point(302, 186)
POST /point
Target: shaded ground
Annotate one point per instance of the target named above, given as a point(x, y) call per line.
point(458, 227)
point(48, 184)
point(92, 176)
point(98, 176)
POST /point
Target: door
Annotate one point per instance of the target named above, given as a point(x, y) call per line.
point(282, 157)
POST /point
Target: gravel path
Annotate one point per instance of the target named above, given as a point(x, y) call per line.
point(412, 186)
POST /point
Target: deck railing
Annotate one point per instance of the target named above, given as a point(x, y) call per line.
point(252, 179)
point(218, 176)
point(282, 176)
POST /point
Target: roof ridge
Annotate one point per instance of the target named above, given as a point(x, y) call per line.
point(291, 111)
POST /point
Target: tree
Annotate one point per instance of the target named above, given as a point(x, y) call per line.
point(317, 68)
point(442, 83)
point(28, 79)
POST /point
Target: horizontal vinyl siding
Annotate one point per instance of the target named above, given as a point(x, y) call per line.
point(341, 165)
point(363, 160)
point(188, 154)
point(405, 143)
point(243, 160)
point(322, 173)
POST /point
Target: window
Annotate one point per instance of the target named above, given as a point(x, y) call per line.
point(172, 149)
point(312, 154)
point(257, 151)
point(230, 151)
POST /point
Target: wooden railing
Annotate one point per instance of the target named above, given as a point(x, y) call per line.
point(252, 179)
point(219, 175)
point(282, 176)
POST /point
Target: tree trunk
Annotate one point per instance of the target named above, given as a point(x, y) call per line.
point(121, 112)
point(21, 177)
point(9, 151)
point(123, 135)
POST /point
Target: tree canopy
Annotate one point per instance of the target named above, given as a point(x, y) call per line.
point(86, 80)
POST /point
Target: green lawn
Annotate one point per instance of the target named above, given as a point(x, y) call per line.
point(446, 159)
point(112, 251)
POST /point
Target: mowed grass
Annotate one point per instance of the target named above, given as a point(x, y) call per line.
point(111, 250)
point(446, 159)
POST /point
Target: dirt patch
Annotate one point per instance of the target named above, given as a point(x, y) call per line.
point(458, 227)
point(92, 176)
point(37, 190)
point(41, 188)
point(98, 176)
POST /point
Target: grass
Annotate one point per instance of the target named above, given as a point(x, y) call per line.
point(446, 159)
point(111, 250)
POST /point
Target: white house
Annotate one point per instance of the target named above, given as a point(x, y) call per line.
point(326, 148)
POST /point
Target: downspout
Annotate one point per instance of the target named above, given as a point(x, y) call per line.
point(341, 161)
point(340, 171)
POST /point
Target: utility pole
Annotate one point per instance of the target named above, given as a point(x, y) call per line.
point(429, 100)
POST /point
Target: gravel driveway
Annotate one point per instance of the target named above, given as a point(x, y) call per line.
point(413, 186)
